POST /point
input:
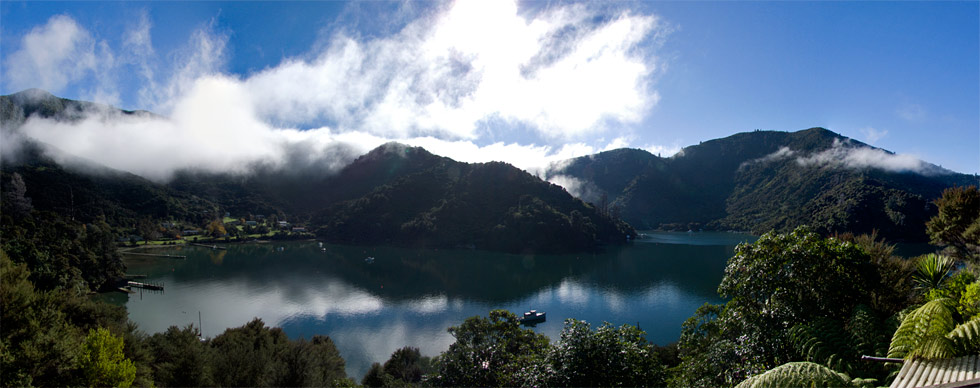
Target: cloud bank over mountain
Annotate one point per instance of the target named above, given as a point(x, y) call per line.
point(447, 81)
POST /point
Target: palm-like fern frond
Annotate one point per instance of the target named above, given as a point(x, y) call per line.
point(798, 374)
point(931, 271)
point(966, 337)
point(824, 342)
point(932, 348)
point(925, 326)
point(866, 330)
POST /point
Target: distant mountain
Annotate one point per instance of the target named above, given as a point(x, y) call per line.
point(394, 194)
point(17, 107)
point(86, 191)
point(763, 180)
point(438, 202)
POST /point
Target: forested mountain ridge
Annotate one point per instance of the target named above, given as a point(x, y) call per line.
point(392, 195)
point(766, 180)
point(440, 202)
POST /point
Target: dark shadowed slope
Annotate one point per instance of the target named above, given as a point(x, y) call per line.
point(767, 179)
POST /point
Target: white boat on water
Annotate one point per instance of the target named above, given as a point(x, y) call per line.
point(532, 317)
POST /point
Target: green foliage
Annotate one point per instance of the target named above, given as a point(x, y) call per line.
point(963, 289)
point(405, 365)
point(824, 342)
point(37, 345)
point(492, 206)
point(931, 271)
point(707, 355)
point(181, 360)
point(103, 362)
point(966, 337)
point(923, 332)
point(491, 352)
point(957, 224)
point(43, 332)
point(608, 356)
point(313, 363)
point(783, 279)
point(406, 368)
point(60, 252)
point(753, 181)
point(251, 355)
point(793, 297)
point(798, 374)
point(377, 377)
point(839, 345)
point(969, 302)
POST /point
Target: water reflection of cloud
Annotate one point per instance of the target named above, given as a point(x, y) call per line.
point(429, 304)
point(232, 304)
point(664, 293)
point(360, 346)
point(615, 301)
point(572, 292)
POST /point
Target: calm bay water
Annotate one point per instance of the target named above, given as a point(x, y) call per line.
point(409, 297)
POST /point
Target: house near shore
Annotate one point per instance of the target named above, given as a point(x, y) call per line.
point(299, 229)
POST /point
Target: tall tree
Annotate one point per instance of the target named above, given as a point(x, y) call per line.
point(957, 225)
point(491, 352)
point(103, 362)
point(607, 356)
point(15, 198)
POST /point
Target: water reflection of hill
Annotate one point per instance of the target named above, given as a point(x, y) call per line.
point(399, 274)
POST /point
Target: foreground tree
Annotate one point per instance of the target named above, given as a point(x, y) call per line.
point(793, 297)
point(608, 356)
point(103, 362)
point(798, 374)
point(957, 225)
point(491, 352)
point(785, 279)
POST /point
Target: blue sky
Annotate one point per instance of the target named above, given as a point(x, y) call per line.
point(529, 83)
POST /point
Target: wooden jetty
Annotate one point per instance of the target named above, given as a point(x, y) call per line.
point(146, 285)
point(134, 276)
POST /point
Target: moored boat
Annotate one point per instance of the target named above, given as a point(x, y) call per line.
point(532, 317)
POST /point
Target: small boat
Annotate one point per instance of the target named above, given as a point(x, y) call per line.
point(369, 259)
point(532, 317)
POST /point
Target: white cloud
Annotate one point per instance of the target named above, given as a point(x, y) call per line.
point(138, 50)
point(203, 56)
point(843, 154)
point(780, 154)
point(442, 76)
point(872, 135)
point(52, 56)
point(584, 190)
point(662, 150)
point(566, 72)
point(911, 112)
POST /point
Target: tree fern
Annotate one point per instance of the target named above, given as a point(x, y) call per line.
point(966, 337)
point(924, 327)
point(825, 342)
point(798, 374)
point(866, 331)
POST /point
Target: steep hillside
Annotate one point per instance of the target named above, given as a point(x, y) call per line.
point(766, 180)
point(392, 195)
point(86, 191)
point(492, 206)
